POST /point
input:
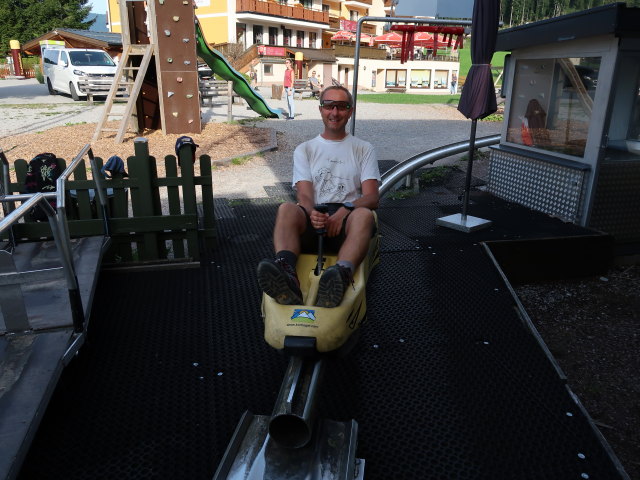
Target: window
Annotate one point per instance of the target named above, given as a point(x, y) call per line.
point(551, 103)
point(273, 36)
point(286, 37)
point(396, 79)
point(51, 56)
point(241, 34)
point(268, 69)
point(91, 59)
point(420, 78)
point(325, 8)
point(440, 79)
point(300, 39)
point(257, 34)
point(307, 3)
point(353, 15)
point(313, 39)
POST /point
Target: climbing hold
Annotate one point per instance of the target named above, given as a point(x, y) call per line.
point(189, 95)
point(187, 62)
point(191, 121)
point(185, 40)
point(175, 114)
point(170, 60)
point(179, 79)
point(167, 33)
point(161, 2)
point(176, 19)
point(185, 2)
point(170, 94)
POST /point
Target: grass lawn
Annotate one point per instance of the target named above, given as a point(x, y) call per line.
point(464, 56)
point(405, 98)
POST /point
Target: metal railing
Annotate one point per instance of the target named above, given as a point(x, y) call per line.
point(57, 220)
point(30, 201)
point(400, 171)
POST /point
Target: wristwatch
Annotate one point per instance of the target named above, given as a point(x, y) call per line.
point(349, 206)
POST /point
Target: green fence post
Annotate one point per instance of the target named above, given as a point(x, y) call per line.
point(143, 203)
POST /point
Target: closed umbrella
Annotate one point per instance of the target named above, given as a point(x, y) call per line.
point(478, 98)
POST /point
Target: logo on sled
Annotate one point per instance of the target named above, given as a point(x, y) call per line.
point(303, 315)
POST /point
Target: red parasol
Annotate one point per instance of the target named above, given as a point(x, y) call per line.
point(389, 38)
point(342, 35)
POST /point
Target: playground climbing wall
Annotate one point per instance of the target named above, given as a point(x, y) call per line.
point(176, 65)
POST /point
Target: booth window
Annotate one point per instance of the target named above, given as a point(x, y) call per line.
point(552, 103)
point(420, 78)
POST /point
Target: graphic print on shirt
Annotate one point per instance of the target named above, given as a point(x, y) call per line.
point(329, 184)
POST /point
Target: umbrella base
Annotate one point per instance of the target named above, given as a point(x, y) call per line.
point(466, 224)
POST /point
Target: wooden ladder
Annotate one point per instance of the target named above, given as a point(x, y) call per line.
point(129, 78)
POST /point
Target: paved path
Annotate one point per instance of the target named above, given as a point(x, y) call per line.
point(397, 131)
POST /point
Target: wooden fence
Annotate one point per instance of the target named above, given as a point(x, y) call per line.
point(148, 217)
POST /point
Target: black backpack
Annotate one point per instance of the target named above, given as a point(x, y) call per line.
point(42, 173)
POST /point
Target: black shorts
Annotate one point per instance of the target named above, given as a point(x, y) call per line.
point(309, 238)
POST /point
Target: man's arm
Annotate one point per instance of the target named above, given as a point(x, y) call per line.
point(304, 190)
point(370, 195)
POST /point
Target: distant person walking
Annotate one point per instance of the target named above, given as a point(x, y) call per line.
point(254, 79)
point(454, 83)
point(288, 87)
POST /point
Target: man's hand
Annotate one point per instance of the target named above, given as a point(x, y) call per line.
point(333, 223)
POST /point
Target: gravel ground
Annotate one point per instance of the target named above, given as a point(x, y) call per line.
point(590, 325)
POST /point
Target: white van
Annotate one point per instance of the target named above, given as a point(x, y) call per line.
point(63, 67)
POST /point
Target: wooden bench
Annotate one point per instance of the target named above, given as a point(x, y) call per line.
point(301, 86)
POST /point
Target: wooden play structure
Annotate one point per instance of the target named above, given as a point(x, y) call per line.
point(158, 68)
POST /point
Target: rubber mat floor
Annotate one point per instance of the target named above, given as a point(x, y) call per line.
point(447, 381)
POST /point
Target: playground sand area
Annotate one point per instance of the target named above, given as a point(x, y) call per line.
point(222, 142)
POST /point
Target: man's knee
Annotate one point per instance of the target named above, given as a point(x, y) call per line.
point(361, 220)
point(291, 214)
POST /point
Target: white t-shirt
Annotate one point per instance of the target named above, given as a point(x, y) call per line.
point(336, 168)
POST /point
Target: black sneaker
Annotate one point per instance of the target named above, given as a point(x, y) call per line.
point(279, 280)
point(333, 283)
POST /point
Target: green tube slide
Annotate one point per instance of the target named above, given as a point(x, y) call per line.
point(222, 69)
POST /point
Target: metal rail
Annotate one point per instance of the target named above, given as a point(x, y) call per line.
point(62, 243)
point(401, 170)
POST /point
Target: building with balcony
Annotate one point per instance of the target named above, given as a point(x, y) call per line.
point(265, 32)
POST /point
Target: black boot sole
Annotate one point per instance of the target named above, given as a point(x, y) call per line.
point(274, 282)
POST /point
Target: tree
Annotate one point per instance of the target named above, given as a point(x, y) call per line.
point(24, 20)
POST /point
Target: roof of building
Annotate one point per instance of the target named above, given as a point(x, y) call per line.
point(615, 19)
point(75, 38)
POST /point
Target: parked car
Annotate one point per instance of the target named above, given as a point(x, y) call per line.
point(65, 66)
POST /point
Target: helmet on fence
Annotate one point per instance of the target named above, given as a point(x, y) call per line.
point(182, 141)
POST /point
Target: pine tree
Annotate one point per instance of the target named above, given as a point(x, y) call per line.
point(24, 20)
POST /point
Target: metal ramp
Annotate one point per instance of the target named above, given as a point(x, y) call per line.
point(39, 330)
point(130, 76)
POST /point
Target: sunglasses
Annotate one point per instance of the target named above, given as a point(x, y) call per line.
point(331, 104)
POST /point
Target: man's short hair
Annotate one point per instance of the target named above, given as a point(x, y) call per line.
point(337, 87)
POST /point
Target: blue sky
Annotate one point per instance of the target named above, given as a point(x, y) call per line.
point(98, 6)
